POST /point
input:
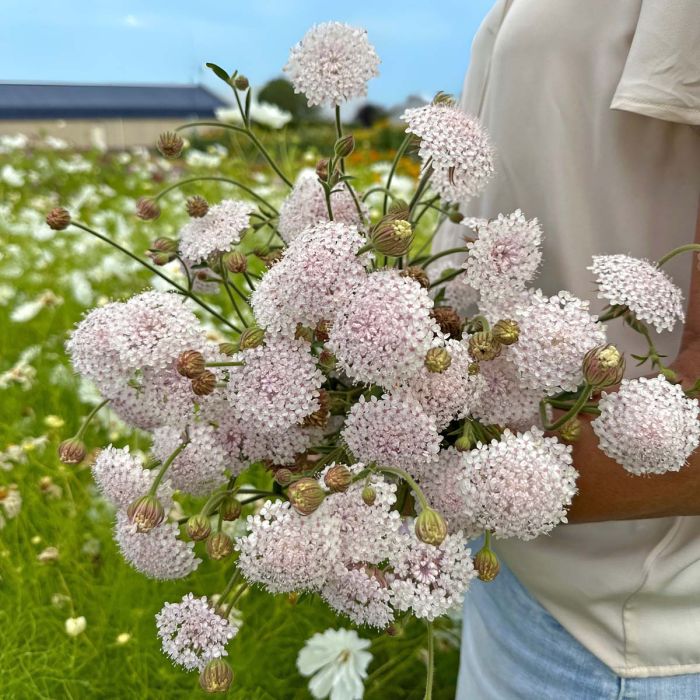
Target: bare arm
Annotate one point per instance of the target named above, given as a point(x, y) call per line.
point(606, 490)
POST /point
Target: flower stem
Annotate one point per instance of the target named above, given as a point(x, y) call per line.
point(395, 163)
point(677, 251)
point(431, 661)
point(229, 293)
point(442, 254)
point(180, 288)
point(89, 418)
point(422, 185)
point(410, 481)
point(224, 364)
point(581, 401)
point(164, 468)
point(447, 277)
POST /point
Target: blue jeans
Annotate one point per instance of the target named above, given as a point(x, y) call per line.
point(513, 649)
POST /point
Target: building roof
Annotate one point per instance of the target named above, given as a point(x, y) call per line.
point(84, 101)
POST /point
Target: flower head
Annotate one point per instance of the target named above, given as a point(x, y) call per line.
point(192, 633)
point(220, 229)
point(337, 662)
point(649, 426)
point(306, 206)
point(520, 486)
point(641, 286)
point(332, 64)
point(384, 328)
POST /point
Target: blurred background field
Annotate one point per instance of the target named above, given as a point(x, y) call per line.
point(57, 557)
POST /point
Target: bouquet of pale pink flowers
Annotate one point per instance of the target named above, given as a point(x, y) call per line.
point(396, 404)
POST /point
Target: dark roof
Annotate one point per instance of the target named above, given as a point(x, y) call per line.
point(65, 101)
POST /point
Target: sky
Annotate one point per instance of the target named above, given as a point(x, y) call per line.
point(424, 46)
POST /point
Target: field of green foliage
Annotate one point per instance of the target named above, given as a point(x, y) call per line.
point(58, 562)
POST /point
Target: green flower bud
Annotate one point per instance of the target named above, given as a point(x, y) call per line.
point(484, 347)
point(305, 495)
point(241, 83)
point(204, 384)
point(251, 338)
point(198, 527)
point(344, 146)
point(437, 360)
point(369, 495)
point(392, 236)
point(228, 348)
point(506, 331)
point(338, 478)
point(430, 527)
point(230, 508)
point(219, 546)
point(216, 677)
point(486, 564)
point(571, 430)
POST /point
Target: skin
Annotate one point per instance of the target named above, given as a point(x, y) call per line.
point(606, 490)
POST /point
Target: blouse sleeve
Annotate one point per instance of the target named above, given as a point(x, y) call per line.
point(661, 77)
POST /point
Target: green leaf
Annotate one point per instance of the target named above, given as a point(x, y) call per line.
point(219, 72)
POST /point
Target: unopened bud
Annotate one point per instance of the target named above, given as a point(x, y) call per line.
point(473, 369)
point(196, 206)
point(430, 527)
point(449, 320)
point(284, 476)
point(338, 478)
point(571, 430)
point(322, 331)
point(58, 219)
point(170, 144)
point(190, 364)
point(203, 384)
point(147, 209)
point(304, 333)
point(467, 440)
point(241, 82)
point(443, 98)
point(319, 418)
point(484, 347)
point(219, 545)
point(456, 216)
point(72, 451)
point(146, 513)
point(418, 274)
point(322, 169)
point(344, 146)
point(216, 677)
point(251, 338)
point(305, 495)
point(603, 366)
point(392, 237)
point(437, 360)
point(271, 258)
point(369, 495)
point(230, 509)
point(198, 527)
point(228, 349)
point(486, 564)
point(236, 261)
point(506, 331)
point(327, 360)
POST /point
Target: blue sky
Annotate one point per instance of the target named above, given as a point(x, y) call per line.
point(424, 47)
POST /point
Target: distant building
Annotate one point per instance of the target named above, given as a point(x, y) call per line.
point(113, 116)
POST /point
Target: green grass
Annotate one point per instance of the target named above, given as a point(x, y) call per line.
point(37, 658)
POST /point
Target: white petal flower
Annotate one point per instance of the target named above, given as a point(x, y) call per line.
point(75, 626)
point(640, 285)
point(332, 64)
point(337, 661)
point(649, 426)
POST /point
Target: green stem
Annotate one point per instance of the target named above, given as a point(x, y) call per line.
point(231, 583)
point(216, 178)
point(410, 481)
point(430, 204)
point(395, 163)
point(164, 468)
point(611, 313)
point(227, 287)
point(447, 277)
point(677, 251)
point(157, 272)
point(581, 401)
point(487, 539)
point(89, 418)
point(442, 254)
point(246, 132)
point(224, 364)
point(427, 174)
point(431, 661)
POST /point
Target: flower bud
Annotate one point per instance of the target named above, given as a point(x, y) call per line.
point(146, 513)
point(571, 430)
point(443, 98)
point(196, 206)
point(437, 360)
point(251, 338)
point(322, 169)
point(284, 476)
point(203, 384)
point(147, 209)
point(338, 478)
point(198, 527)
point(344, 146)
point(241, 83)
point(392, 237)
point(271, 258)
point(228, 349)
point(322, 331)
point(603, 366)
point(456, 216)
point(473, 369)
point(369, 495)
point(190, 364)
point(230, 508)
point(486, 564)
point(430, 527)
point(484, 347)
point(236, 261)
point(170, 144)
point(305, 495)
point(418, 274)
point(58, 219)
point(219, 545)
point(467, 440)
point(304, 333)
point(506, 332)
point(72, 451)
point(319, 418)
point(449, 320)
point(327, 360)
point(216, 677)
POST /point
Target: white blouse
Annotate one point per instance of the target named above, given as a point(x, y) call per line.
point(593, 108)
